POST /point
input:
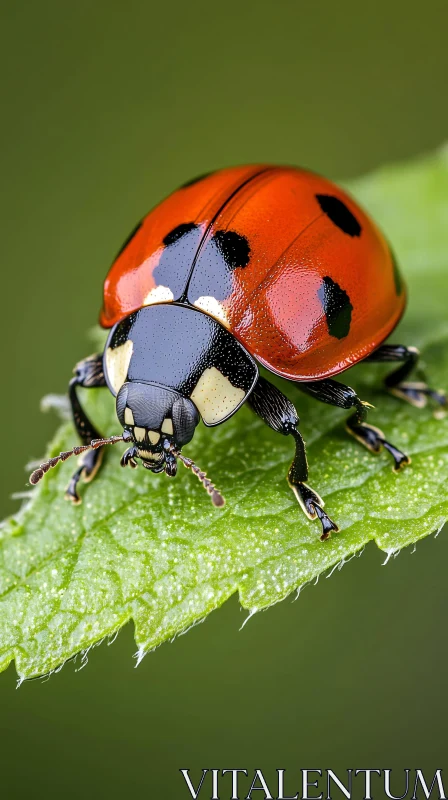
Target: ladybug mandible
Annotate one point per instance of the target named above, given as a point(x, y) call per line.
point(266, 264)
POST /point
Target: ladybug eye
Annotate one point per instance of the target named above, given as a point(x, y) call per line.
point(185, 419)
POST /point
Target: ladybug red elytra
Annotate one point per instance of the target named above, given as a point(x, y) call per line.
point(266, 264)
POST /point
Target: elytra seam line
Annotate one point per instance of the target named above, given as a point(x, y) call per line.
point(183, 298)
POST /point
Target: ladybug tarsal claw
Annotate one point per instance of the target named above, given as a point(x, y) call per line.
point(401, 460)
point(312, 506)
point(328, 526)
point(374, 440)
point(417, 393)
point(71, 493)
point(75, 499)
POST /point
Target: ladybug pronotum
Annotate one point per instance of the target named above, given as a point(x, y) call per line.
point(250, 265)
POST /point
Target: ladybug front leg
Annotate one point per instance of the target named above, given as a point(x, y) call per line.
point(337, 394)
point(88, 373)
point(279, 413)
point(414, 392)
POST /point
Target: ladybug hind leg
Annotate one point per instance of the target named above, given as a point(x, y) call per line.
point(337, 394)
point(279, 413)
point(88, 373)
point(415, 392)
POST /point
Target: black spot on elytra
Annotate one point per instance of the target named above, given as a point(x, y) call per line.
point(337, 306)
point(129, 238)
point(196, 180)
point(339, 214)
point(176, 234)
point(234, 248)
point(176, 259)
point(397, 276)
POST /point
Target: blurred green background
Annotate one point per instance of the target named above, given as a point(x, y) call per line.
point(106, 107)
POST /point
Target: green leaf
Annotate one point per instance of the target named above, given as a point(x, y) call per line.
point(153, 550)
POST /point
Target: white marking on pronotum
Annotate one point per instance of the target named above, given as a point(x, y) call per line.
point(214, 308)
point(117, 364)
point(215, 396)
point(160, 294)
point(153, 437)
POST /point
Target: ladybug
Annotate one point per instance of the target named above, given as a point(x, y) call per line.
point(250, 265)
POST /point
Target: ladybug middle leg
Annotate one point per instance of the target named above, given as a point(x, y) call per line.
point(337, 394)
point(415, 392)
point(279, 413)
point(88, 373)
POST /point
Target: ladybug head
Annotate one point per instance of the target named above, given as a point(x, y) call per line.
point(159, 420)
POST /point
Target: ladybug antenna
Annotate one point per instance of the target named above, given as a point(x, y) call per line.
point(39, 473)
point(216, 496)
